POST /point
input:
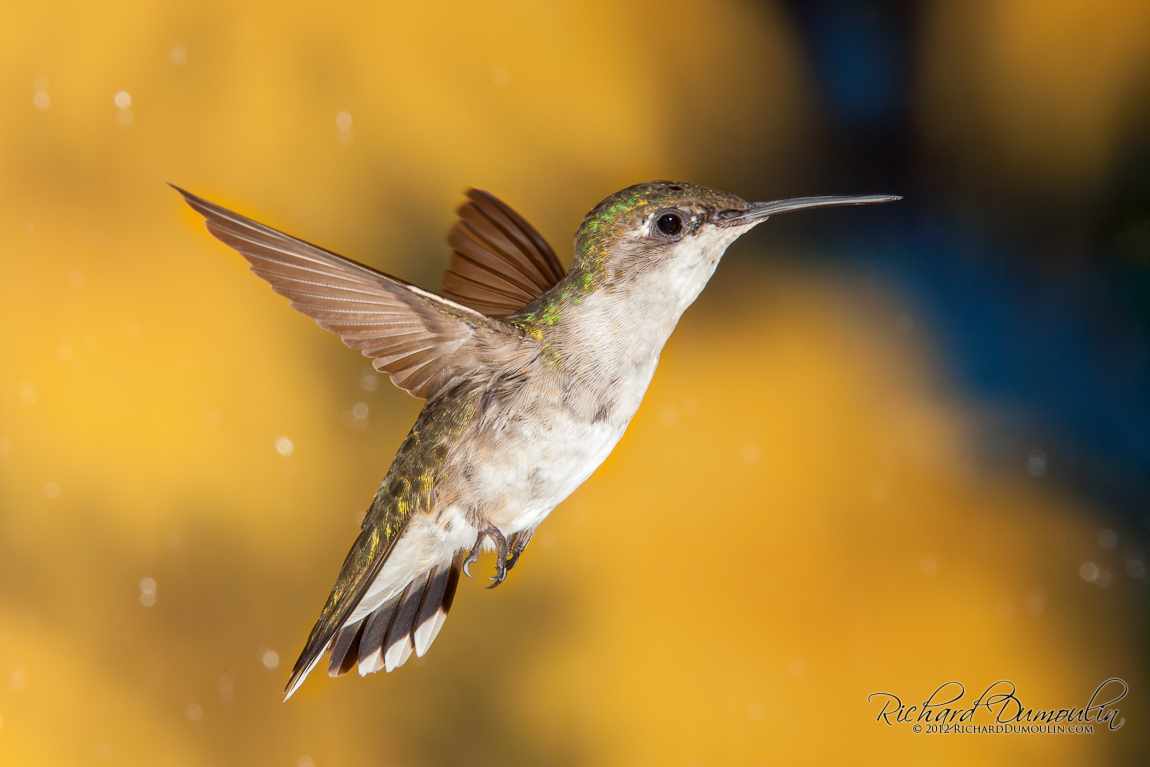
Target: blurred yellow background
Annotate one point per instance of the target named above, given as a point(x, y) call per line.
point(796, 519)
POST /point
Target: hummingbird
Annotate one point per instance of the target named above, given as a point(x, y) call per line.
point(529, 376)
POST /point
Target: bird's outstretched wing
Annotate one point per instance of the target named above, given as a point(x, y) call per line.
point(425, 342)
point(499, 263)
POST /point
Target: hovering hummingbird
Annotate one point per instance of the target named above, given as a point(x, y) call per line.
point(530, 378)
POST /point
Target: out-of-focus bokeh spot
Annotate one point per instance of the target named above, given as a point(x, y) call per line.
point(889, 448)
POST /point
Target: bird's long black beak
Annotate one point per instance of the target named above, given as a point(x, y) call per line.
point(759, 211)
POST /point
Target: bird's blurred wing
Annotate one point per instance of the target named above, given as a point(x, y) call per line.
point(425, 342)
point(499, 263)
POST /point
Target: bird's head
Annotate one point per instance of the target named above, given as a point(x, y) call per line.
point(670, 235)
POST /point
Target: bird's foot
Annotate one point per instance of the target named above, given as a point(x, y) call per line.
point(502, 552)
point(522, 538)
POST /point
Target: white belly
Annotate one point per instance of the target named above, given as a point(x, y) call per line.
point(567, 457)
point(545, 458)
point(550, 460)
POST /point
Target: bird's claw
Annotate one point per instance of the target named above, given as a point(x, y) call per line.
point(522, 538)
point(502, 551)
point(506, 555)
point(500, 571)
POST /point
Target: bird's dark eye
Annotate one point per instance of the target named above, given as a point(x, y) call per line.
point(670, 224)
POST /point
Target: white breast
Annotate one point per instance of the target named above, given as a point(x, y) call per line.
point(547, 458)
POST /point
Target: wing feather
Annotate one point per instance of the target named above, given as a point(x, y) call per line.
point(426, 343)
point(499, 263)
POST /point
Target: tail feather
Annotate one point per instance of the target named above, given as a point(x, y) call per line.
point(397, 647)
point(345, 649)
point(386, 638)
point(433, 612)
point(374, 632)
point(432, 601)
